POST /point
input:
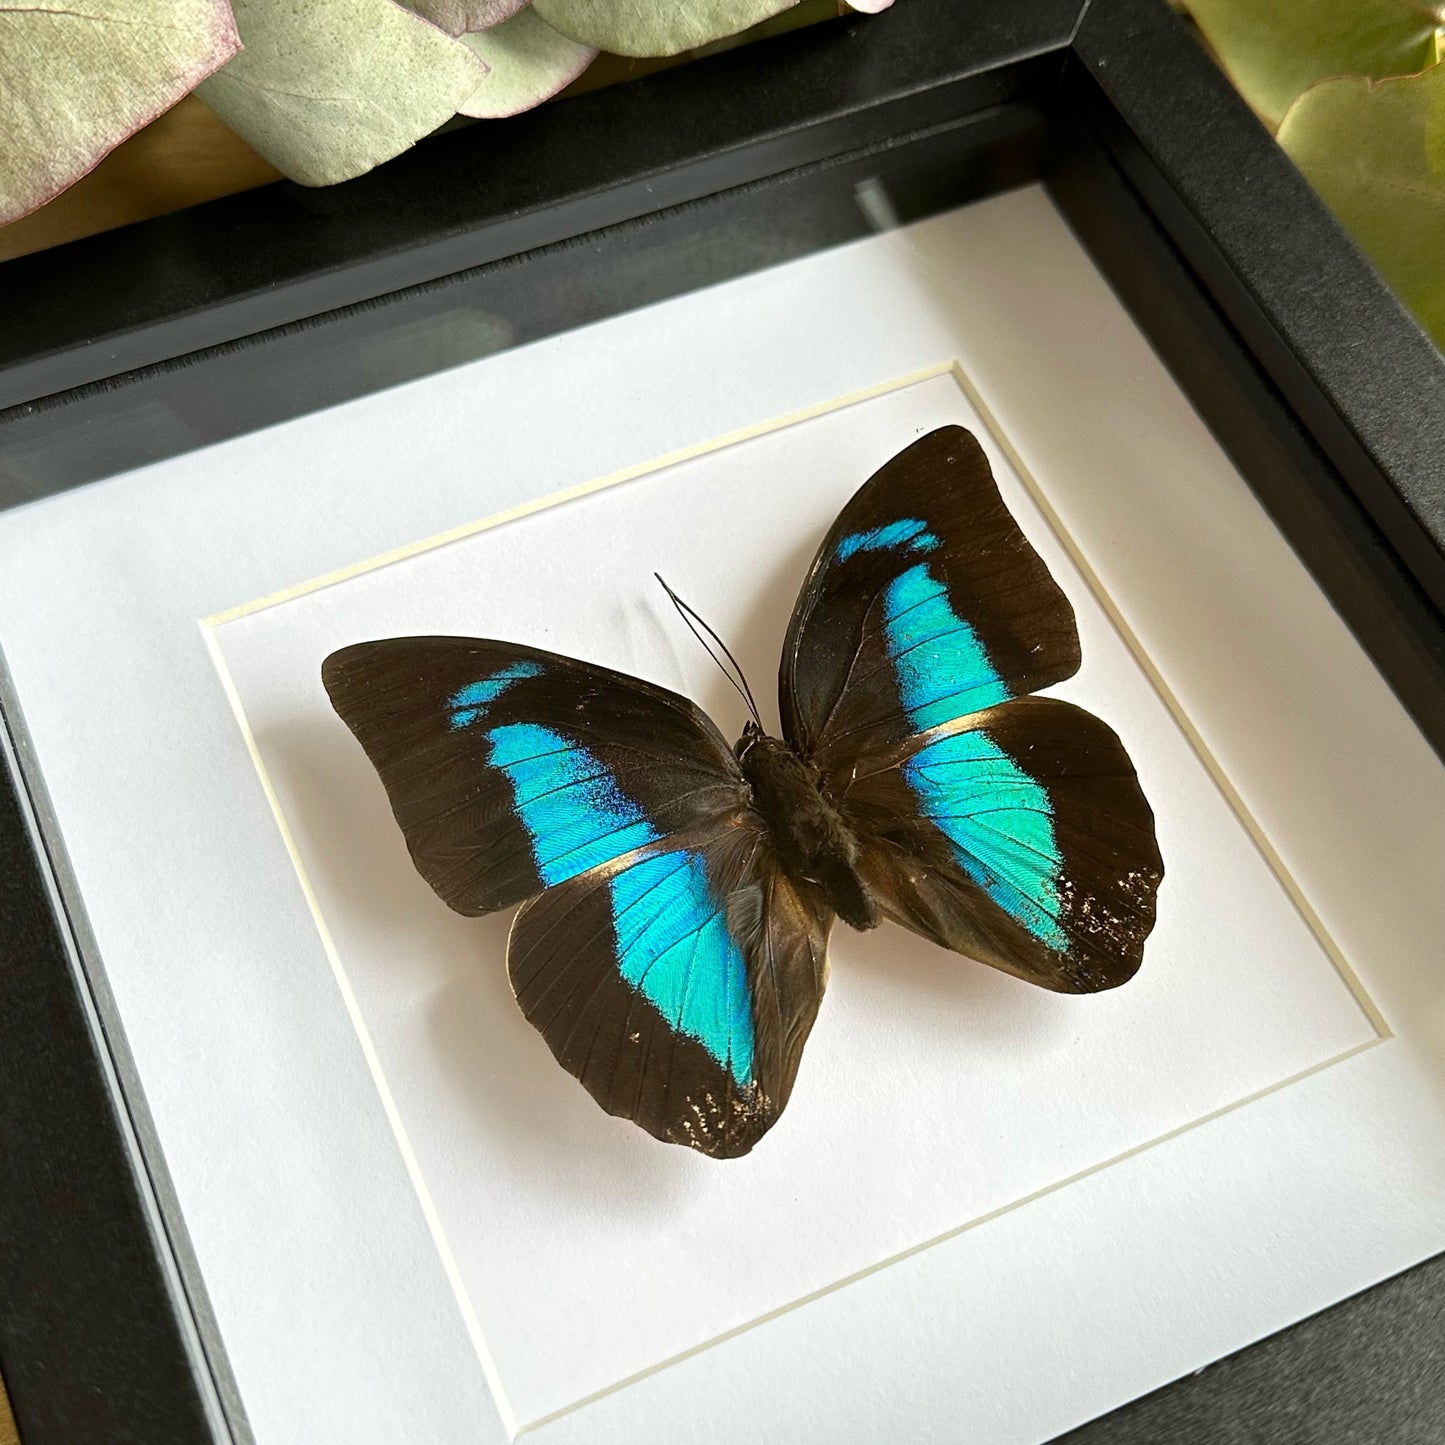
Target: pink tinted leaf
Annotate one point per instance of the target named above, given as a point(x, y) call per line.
point(463, 17)
point(655, 27)
point(527, 62)
point(75, 83)
point(327, 89)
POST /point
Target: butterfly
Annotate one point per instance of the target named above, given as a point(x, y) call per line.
point(678, 893)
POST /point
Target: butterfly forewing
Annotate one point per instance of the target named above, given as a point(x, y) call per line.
point(679, 985)
point(510, 769)
point(924, 603)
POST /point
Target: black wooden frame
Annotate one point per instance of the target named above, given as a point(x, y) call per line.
point(162, 336)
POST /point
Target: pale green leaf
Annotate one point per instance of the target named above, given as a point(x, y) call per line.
point(74, 84)
point(654, 27)
point(1273, 49)
point(1367, 149)
point(327, 89)
point(460, 17)
point(527, 62)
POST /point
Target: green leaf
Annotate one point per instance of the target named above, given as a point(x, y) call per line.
point(527, 62)
point(460, 17)
point(1273, 49)
point(1376, 153)
point(74, 84)
point(327, 89)
point(654, 27)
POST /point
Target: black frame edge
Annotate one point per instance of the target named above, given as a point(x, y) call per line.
point(1337, 343)
point(1096, 181)
point(282, 253)
point(99, 1294)
point(1366, 1371)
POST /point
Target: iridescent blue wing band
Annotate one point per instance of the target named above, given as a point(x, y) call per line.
point(925, 603)
point(1021, 838)
point(679, 984)
point(511, 770)
point(666, 961)
point(1005, 827)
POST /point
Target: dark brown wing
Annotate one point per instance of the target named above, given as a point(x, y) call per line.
point(679, 984)
point(510, 769)
point(925, 603)
point(1022, 840)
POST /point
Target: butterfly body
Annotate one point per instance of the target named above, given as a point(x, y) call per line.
point(813, 840)
point(678, 894)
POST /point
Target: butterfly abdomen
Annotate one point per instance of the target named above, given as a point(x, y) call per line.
point(812, 840)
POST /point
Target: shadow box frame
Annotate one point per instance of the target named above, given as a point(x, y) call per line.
point(1319, 386)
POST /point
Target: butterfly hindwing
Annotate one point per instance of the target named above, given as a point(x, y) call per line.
point(511, 769)
point(680, 984)
point(1022, 840)
point(924, 603)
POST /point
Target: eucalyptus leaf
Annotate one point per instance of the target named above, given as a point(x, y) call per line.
point(327, 89)
point(461, 17)
point(1376, 153)
point(1274, 49)
point(75, 83)
point(654, 27)
point(527, 62)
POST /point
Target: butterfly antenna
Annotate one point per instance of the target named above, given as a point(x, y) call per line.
point(739, 682)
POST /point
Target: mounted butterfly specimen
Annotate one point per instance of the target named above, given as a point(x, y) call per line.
point(678, 893)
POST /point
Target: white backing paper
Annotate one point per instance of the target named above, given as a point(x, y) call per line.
point(934, 1092)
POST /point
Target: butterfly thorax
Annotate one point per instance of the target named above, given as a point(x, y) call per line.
point(812, 839)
